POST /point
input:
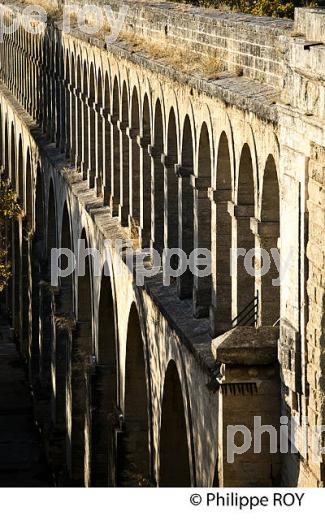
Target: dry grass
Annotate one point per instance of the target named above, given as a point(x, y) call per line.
point(52, 10)
point(180, 58)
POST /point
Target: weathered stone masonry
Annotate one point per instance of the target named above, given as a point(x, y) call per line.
point(136, 386)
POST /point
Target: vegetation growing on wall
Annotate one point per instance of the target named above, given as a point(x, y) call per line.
point(9, 211)
point(275, 8)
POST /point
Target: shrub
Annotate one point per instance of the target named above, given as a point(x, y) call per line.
point(9, 211)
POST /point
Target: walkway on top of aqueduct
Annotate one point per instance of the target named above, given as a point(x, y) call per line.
point(115, 143)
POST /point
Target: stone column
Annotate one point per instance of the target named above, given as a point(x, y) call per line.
point(146, 185)
point(157, 199)
point(135, 177)
point(91, 173)
point(116, 167)
point(267, 234)
point(62, 115)
point(202, 239)
point(67, 118)
point(107, 156)
point(249, 402)
point(84, 129)
point(220, 310)
point(99, 150)
point(171, 214)
point(124, 172)
point(243, 283)
point(79, 402)
point(72, 122)
point(186, 226)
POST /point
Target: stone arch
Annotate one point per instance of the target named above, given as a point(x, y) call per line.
point(47, 311)
point(29, 188)
point(186, 227)
point(85, 149)
point(67, 106)
point(37, 257)
point(158, 148)
point(99, 140)
point(174, 453)
point(116, 157)
point(73, 106)
point(104, 392)
point(125, 157)
point(202, 220)
point(245, 209)
point(133, 453)
point(172, 182)
point(60, 357)
point(223, 237)
point(81, 359)
point(78, 113)
point(13, 172)
point(92, 127)
point(107, 141)
point(268, 234)
point(20, 172)
point(135, 153)
point(146, 175)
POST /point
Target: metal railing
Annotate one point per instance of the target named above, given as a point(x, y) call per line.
point(248, 316)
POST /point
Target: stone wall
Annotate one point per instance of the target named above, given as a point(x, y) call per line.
point(104, 143)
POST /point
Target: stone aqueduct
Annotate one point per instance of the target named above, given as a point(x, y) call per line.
point(136, 385)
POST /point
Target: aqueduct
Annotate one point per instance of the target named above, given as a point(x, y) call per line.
point(137, 385)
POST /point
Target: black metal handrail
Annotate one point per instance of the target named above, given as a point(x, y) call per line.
point(248, 315)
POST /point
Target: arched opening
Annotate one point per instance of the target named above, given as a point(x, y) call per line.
point(60, 359)
point(135, 152)
point(37, 253)
point(99, 143)
point(172, 184)
point(67, 106)
point(47, 300)
point(133, 453)
point(73, 107)
point(78, 115)
point(174, 455)
point(125, 159)
point(186, 200)
point(13, 173)
point(245, 237)
point(20, 173)
point(92, 129)
point(202, 223)
point(158, 149)
point(29, 189)
point(116, 167)
point(85, 124)
point(107, 145)
point(223, 237)
point(104, 393)
point(269, 232)
point(82, 351)
point(146, 176)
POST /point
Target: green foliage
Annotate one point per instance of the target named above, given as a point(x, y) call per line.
point(9, 211)
point(274, 8)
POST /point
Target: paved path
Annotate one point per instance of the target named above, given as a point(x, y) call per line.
point(22, 462)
